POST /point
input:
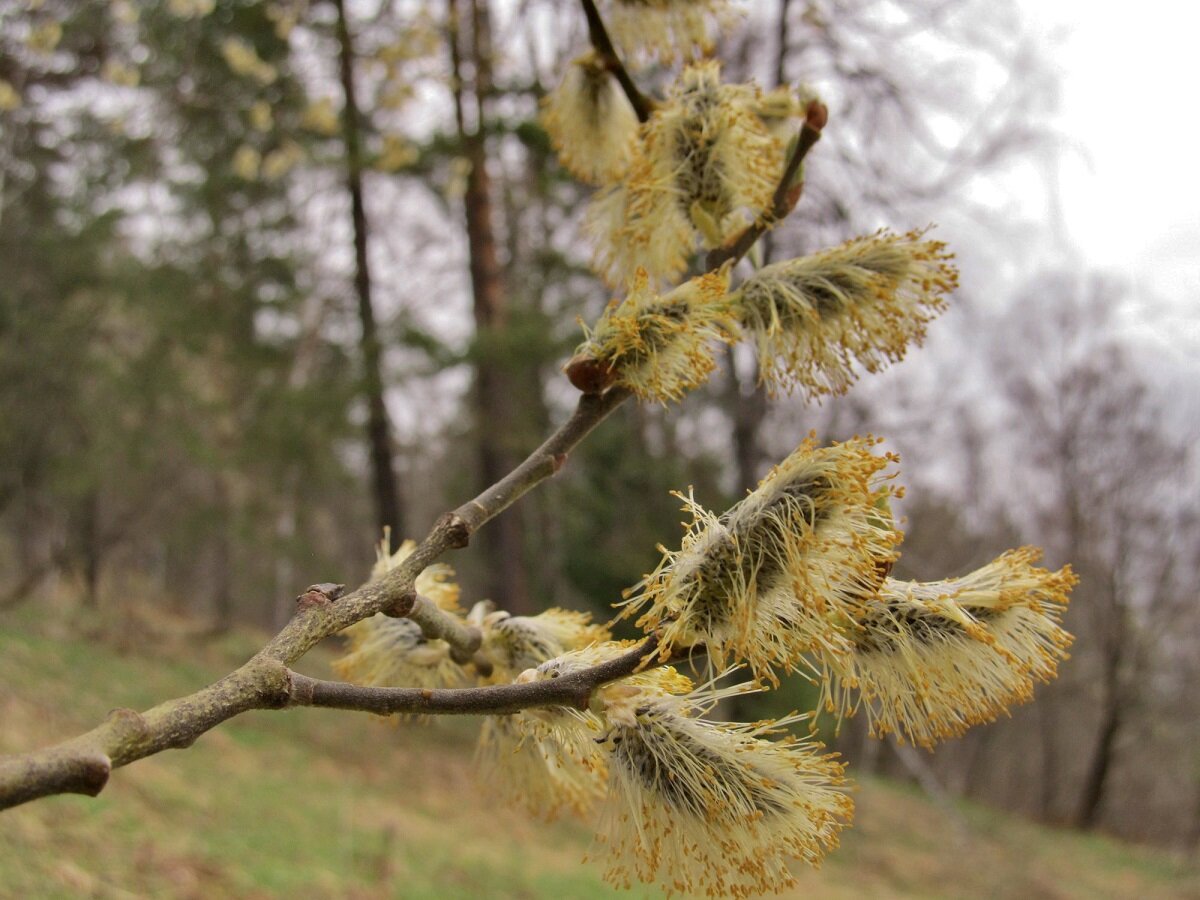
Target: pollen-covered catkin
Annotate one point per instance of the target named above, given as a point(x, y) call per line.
point(816, 317)
point(714, 807)
point(590, 122)
point(544, 764)
point(666, 29)
point(928, 661)
point(769, 580)
point(706, 160)
point(517, 643)
point(660, 347)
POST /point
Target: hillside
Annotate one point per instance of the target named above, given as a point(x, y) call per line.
point(318, 803)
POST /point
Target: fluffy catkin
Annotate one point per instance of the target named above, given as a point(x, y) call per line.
point(769, 580)
point(707, 162)
point(714, 807)
point(660, 347)
point(590, 122)
point(815, 318)
point(928, 661)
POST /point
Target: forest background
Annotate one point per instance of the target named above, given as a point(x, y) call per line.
point(277, 273)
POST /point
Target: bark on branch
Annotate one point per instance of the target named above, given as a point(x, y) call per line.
point(82, 765)
point(437, 624)
point(573, 689)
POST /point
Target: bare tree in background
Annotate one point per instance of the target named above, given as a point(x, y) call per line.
point(1115, 500)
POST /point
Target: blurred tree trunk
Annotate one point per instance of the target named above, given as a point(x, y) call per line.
point(388, 506)
point(749, 402)
point(1113, 645)
point(1096, 780)
point(1048, 744)
point(494, 412)
point(90, 547)
point(220, 578)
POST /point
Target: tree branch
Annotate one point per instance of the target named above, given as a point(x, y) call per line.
point(437, 624)
point(603, 45)
point(82, 765)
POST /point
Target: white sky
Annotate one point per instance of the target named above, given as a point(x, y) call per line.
point(1130, 192)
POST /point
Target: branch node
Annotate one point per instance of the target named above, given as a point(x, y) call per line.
point(93, 773)
point(312, 598)
point(402, 606)
point(456, 529)
point(128, 724)
point(329, 589)
point(275, 683)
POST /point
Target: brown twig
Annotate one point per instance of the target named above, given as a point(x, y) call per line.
point(573, 689)
point(437, 624)
point(603, 45)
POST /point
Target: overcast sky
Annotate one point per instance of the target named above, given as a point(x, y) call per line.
point(1131, 190)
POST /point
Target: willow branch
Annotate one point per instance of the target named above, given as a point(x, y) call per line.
point(787, 195)
point(603, 45)
point(83, 764)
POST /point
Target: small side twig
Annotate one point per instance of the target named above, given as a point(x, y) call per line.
point(603, 45)
point(437, 624)
point(573, 689)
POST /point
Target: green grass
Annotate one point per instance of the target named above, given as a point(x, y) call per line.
point(315, 803)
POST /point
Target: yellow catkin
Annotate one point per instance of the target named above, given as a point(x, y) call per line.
point(660, 347)
point(547, 760)
point(714, 808)
point(767, 581)
point(706, 166)
point(666, 29)
point(862, 303)
point(516, 643)
point(928, 661)
point(544, 763)
point(590, 122)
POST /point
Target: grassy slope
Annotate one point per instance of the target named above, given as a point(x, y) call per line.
point(324, 804)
